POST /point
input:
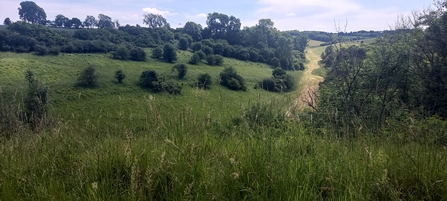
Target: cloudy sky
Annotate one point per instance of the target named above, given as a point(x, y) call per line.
point(312, 15)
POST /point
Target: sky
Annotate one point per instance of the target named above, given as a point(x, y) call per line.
point(310, 15)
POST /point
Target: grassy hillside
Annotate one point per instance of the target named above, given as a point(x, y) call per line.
point(59, 73)
point(121, 142)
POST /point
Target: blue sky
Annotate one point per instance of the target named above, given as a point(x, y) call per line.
point(315, 15)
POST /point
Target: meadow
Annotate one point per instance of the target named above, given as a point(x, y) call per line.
point(122, 142)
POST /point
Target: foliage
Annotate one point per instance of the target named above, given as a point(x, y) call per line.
point(149, 79)
point(120, 76)
point(137, 54)
point(88, 78)
point(279, 82)
point(183, 44)
point(181, 69)
point(169, 53)
point(154, 21)
point(157, 53)
point(105, 22)
point(214, 60)
point(232, 80)
point(204, 81)
point(122, 53)
point(31, 12)
point(195, 59)
point(36, 103)
point(171, 87)
point(7, 21)
point(90, 21)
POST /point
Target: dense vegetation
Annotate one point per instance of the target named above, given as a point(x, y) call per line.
point(87, 126)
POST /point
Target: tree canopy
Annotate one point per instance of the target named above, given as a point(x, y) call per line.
point(154, 20)
point(31, 12)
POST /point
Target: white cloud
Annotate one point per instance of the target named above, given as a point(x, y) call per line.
point(198, 16)
point(156, 11)
point(291, 14)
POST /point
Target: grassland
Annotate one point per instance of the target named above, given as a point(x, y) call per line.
point(120, 142)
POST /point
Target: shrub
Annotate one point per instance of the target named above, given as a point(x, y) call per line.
point(169, 54)
point(201, 54)
point(120, 76)
point(274, 62)
point(157, 53)
point(214, 60)
point(121, 53)
point(208, 50)
point(181, 70)
point(172, 87)
point(230, 79)
point(195, 59)
point(88, 78)
point(204, 81)
point(148, 79)
point(196, 46)
point(137, 54)
point(36, 102)
point(279, 82)
point(183, 44)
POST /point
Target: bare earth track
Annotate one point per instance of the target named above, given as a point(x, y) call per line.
point(308, 84)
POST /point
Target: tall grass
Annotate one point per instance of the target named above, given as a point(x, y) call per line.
point(194, 156)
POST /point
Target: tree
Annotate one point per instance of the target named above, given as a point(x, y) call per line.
point(137, 54)
point(183, 44)
point(76, 23)
point(32, 13)
point(105, 22)
point(7, 21)
point(90, 21)
point(154, 21)
point(88, 78)
point(194, 30)
point(121, 53)
point(275, 62)
point(157, 53)
point(204, 81)
point(169, 53)
point(68, 23)
point(181, 69)
point(60, 20)
point(120, 76)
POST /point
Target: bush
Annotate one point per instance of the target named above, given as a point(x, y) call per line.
point(172, 87)
point(169, 54)
point(214, 60)
point(120, 76)
point(137, 54)
point(88, 78)
point(208, 50)
point(204, 81)
point(183, 44)
point(201, 54)
point(195, 59)
point(196, 46)
point(41, 50)
point(157, 53)
point(181, 70)
point(149, 79)
point(121, 53)
point(279, 82)
point(274, 62)
point(230, 79)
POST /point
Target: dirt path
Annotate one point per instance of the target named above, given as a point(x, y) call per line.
point(308, 83)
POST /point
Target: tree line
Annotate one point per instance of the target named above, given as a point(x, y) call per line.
point(222, 36)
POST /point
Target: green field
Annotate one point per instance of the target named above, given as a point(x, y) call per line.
point(121, 142)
